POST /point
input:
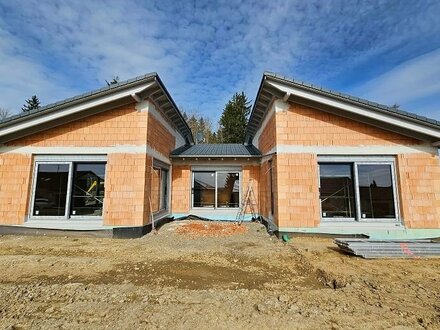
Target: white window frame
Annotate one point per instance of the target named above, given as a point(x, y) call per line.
point(355, 161)
point(63, 159)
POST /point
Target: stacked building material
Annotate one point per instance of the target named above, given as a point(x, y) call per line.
point(371, 248)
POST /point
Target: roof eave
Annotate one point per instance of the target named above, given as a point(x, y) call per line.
point(215, 156)
point(355, 100)
point(413, 121)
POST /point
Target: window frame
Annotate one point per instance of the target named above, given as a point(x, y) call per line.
point(355, 161)
point(71, 161)
point(216, 171)
point(166, 198)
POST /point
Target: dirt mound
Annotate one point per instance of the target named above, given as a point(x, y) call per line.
point(195, 229)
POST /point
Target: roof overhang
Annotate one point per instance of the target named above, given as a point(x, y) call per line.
point(273, 87)
point(215, 156)
point(135, 90)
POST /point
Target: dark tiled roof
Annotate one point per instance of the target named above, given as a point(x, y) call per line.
point(225, 150)
point(258, 110)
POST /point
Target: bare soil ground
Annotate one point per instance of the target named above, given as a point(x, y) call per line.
point(176, 279)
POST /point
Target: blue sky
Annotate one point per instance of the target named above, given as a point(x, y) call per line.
point(204, 51)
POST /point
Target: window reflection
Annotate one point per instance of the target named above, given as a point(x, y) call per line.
point(204, 189)
point(228, 190)
point(51, 190)
point(337, 191)
point(88, 189)
point(376, 191)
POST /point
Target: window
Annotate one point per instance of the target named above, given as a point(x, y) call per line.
point(88, 189)
point(159, 189)
point(272, 198)
point(228, 190)
point(51, 189)
point(216, 189)
point(203, 189)
point(376, 191)
point(357, 190)
point(337, 190)
point(68, 189)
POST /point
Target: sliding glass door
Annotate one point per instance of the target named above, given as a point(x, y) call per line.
point(88, 189)
point(216, 189)
point(376, 191)
point(228, 189)
point(64, 190)
point(50, 197)
point(337, 191)
point(358, 190)
point(204, 189)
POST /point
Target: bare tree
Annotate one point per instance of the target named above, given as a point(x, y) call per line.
point(4, 113)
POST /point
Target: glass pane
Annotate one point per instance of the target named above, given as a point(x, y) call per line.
point(228, 190)
point(155, 189)
point(204, 189)
point(164, 189)
point(51, 189)
point(376, 191)
point(88, 189)
point(337, 191)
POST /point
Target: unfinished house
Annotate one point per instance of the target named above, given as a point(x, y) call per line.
point(93, 162)
point(122, 158)
point(332, 163)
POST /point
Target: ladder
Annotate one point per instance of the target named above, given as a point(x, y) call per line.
point(248, 202)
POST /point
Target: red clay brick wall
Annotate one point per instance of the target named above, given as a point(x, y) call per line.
point(121, 126)
point(419, 187)
point(159, 138)
point(298, 195)
point(127, 189)
point(251, 173)
point(15, 181)
point(181, 183)
point(268, 136)
point(297, 190)
point(302, 125)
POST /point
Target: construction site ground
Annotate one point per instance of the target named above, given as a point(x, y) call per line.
point(191, 276)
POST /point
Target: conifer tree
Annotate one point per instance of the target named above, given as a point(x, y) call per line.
point(31, 104)
point(234, 119)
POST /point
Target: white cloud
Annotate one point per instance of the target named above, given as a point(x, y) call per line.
point(407, 82)
point(204, 50)
point(23, 77)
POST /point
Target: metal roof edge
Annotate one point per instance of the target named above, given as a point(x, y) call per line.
point(104, 91)
point(248, 136)
point(79, 99)
point(214, 156)
point(267, 75)
point(189, 133)
point(354, 99)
